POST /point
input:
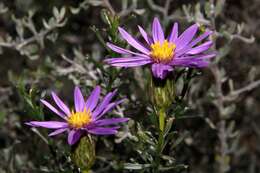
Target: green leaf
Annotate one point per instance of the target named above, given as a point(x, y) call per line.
point(56, 12)
point(168, 126)
point(179, 139)
point(136, 166)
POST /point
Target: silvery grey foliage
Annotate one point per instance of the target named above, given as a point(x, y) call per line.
point(29, 46)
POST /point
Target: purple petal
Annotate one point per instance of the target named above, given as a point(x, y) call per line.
point(146, 37)
point(128, 61)
point(48, 124)
point(161, 70)
point(186, 37)
point(53, 109)
point(201, 48)
point(92, 101)
point(196, 57)
point(122, 51)
point(193, 43)
point(59, 131)
point(174, 33)
point(74, 136)
point(193, 61)
point(110, 121)
point(196, 50)
point(200, 38)
point(102, 131)
point(158, 35)
point(109, 108)
point(60, 104)
point(103, 104)
point(132, 41)
point(78, 100)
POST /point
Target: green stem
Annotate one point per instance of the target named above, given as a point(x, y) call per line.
point(159, 149)
point(161, 119)
point(85, 171)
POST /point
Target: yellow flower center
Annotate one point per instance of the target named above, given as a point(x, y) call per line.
point(79, 119)
point(162, 52)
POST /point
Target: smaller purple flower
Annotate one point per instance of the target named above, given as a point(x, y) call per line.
point(164, 54)
point(86, 118)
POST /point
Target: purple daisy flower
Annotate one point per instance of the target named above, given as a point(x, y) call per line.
point(87, 116)
point(164, 53)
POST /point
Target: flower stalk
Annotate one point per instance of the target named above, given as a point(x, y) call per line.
point(160, 144)
point(85, 171)
point(162, 116)
point(162, 94)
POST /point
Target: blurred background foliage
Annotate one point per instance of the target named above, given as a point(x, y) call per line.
point(56, 44)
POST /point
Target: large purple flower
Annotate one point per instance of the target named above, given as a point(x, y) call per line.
point(164, 53)
point(87, 117)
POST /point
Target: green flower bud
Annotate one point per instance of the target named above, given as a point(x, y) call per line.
point(162, 92)
point(83, 154)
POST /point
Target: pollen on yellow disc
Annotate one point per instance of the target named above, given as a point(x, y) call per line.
point(79, 119)
point(162, 52)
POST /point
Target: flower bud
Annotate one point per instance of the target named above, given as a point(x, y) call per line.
point(162, 92)
point(83, 154)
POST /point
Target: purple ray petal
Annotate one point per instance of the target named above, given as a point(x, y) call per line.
point(60, 104)
point(78, 100)
point(193, 61)
point(92, 101)
point(174, 33)
point(161, 70)
point(189, 50)
point(110, 121)
point(201, 48)
point(103, 104)
point(133, 42)
point(193, 43)
point(196, 57)
point(48, 124)
point(186, 37)
point(53, 109)
point(102, 131)
point(128, 61)
point(132, 64)
point(158, 35)
point(200, 38)
point(146, 37)
point(58, 131)
point(109, 108)
point(74, 136)
point(122, 50)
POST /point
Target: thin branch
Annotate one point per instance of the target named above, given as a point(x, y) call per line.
point(77, 67)
point(216, 73)
point(249, 40)
point(244, 39)
point(233, 94)
point(109, 7)
point(19, 45)
point(155, 7)
point(166, 7)
point(125, 12)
